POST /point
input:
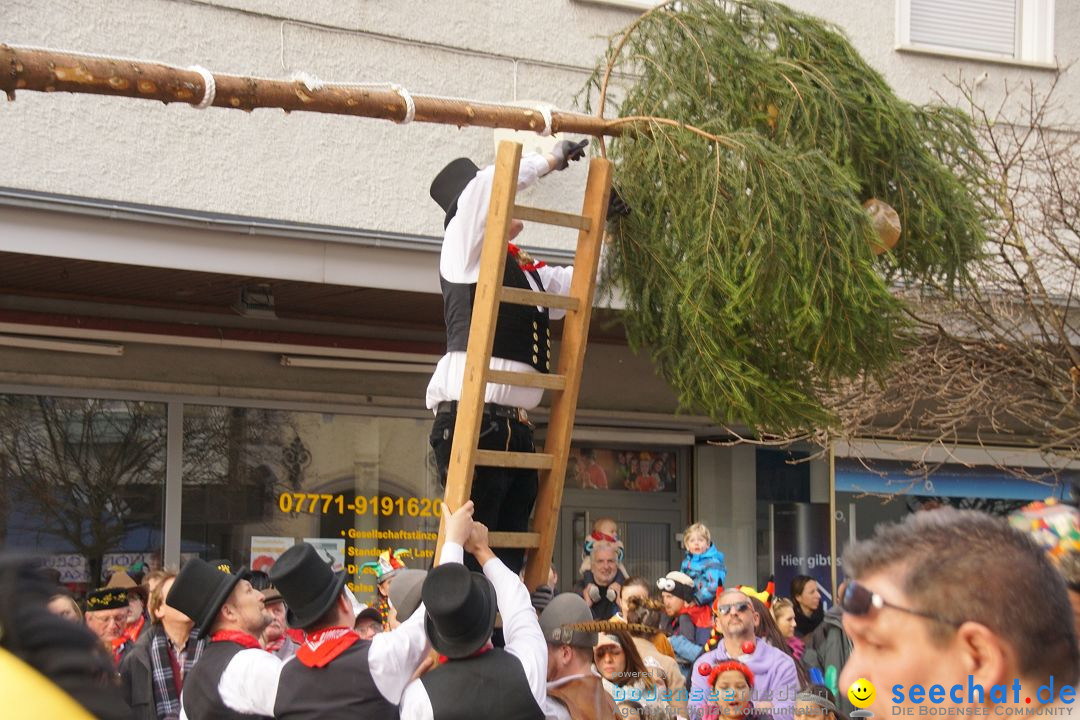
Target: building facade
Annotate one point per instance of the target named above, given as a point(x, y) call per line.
point(216, 328)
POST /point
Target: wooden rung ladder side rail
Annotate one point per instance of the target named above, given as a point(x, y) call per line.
point(551, 464)
point(470, 408)
point(571, 362)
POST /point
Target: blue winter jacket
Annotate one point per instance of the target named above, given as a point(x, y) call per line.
point(708, 571)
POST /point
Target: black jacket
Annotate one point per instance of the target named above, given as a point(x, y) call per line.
point(137, 678)
point(830, 645)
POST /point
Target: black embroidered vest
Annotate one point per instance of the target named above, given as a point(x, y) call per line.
point(491, 685)
point(522, 332)
point(201, 698)
point(343, 689)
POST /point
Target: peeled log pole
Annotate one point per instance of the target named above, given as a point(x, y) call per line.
point(51, 71)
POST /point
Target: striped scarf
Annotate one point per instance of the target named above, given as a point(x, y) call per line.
point(166, 696)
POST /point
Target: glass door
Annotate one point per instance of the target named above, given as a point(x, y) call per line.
point(648, 538)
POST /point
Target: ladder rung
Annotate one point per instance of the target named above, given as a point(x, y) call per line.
point(513, 539)
point(552, 217)
point(541, 299)
point(527, 379)
point(498, 458)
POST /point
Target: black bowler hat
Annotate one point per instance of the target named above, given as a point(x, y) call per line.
point(448, 184)
point(200, 590)
point(460, 609)
point(307, 582)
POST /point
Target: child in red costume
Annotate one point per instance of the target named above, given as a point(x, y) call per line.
point(731, 683)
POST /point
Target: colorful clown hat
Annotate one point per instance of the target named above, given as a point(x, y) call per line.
point(387, 565)
point(765, 596)
point(1053, 525)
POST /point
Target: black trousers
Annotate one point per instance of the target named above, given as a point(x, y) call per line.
point(504, 497)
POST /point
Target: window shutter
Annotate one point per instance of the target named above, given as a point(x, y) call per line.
point(981, 25)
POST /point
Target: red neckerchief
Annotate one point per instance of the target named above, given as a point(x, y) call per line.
point(487, 646)
point(133, 630)
point(236, 636)
point(322, 646)
point(524, 260)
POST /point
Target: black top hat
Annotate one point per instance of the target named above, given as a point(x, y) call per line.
point(107, 598)
point(460, 609)
point(199, 591)
point(225, 566)
point(308, 584)
point(448, 184)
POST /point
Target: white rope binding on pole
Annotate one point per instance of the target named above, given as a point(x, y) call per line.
point(410, 106)
point(311, 82)
point(209, 87)
point(545, 112)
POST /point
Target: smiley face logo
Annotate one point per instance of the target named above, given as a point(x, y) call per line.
point(861, 693)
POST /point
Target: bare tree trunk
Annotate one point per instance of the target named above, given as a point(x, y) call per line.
point(50, 71)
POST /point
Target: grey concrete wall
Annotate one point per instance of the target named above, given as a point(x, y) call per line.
point(725, 499)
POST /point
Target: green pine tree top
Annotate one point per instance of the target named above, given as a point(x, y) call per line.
point(746, 263)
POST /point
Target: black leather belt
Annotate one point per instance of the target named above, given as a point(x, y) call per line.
point(502, 411)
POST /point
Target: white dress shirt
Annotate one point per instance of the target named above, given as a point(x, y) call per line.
point(250, 681)
point(521, 630)
point(459, 262)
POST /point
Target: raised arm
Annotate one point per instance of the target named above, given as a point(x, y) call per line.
point(464, 237)
point(521, 629)
point(395, 655)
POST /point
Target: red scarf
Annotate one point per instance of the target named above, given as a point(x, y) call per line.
point(238, 637)
point(322, 646)
point(134, 629)
point(524, 260)
point(487, 646)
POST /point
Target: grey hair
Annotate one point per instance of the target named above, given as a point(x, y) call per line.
point(604, 545)
point(968, 566)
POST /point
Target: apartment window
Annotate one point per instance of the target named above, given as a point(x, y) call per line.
point(627, 4)
point(1005, 30)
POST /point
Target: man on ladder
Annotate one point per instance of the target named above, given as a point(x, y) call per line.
point(503, 496)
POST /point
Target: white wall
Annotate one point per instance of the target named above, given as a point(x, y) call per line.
point(303, 167)
point(345, 171)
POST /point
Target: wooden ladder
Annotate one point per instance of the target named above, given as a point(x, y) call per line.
point(490, 292)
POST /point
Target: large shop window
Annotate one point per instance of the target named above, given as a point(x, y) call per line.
point(257, 481)
point(82, 482)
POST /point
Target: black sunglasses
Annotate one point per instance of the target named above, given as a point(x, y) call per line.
point(739, 607)
point(860, 600)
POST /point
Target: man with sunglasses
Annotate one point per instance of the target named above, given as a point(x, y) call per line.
point(946, 605)
point(776, 682)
